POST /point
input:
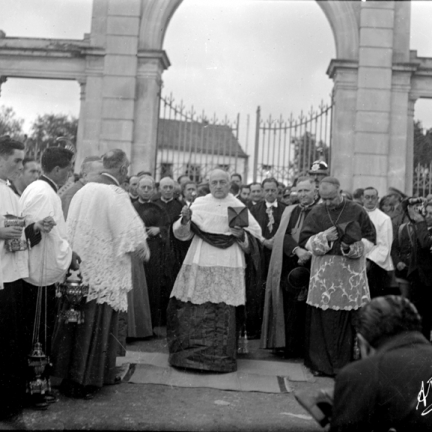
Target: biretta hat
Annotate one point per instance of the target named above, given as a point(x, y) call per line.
point(349, 232)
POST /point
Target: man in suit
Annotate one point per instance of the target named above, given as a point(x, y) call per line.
point(256, 194)
point(268, 213)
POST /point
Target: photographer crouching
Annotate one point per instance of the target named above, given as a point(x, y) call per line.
point(411, 254)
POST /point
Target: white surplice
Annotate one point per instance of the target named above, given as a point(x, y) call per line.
point(210, 274)
point(51, 258)
point(104, 229)
point(13, 265)
point(380, 253)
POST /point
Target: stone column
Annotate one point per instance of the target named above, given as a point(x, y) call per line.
point(409, 172)
point(374, 97)
point(150, 67)
point(344, 74)
point(400, 154)
point(107, 113)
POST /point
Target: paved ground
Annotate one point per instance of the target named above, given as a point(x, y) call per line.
point(157, 407)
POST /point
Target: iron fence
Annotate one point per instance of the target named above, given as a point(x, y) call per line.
point(422, 182)
point(286, 148)
point(193, 144)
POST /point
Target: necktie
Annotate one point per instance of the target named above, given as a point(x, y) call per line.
point(271, 221)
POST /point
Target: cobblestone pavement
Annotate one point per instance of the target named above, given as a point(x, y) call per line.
point(159, 407)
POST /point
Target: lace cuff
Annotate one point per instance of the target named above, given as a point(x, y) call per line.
point(182, 232)
point(356, 250)
point(318, 244)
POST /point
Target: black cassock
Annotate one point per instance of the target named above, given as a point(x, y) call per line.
point(159, 269)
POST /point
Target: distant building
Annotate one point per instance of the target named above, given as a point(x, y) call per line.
point(195, 148)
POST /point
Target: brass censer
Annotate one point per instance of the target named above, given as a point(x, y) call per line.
point(16, 244)
point(74, 292)
point(39, 371)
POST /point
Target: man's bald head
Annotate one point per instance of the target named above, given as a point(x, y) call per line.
point(219, 183)
point(219, 172)
point(330, 193)
point(91, 171)
point(116, 163)
point(166, 187)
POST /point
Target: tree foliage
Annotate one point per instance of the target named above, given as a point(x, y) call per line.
point(47, 128)
point(422, 145)
point(10, 124)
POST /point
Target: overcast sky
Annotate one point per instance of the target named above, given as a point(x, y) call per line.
point(227, 56)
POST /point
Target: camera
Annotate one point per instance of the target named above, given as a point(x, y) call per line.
point(419, 202)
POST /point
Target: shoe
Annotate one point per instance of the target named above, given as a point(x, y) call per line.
point(88, 392)
point(50, 397)
point(37, 402)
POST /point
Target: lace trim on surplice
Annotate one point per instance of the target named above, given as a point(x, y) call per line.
point(198, 285)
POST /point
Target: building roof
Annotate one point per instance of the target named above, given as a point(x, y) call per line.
point(198, 137)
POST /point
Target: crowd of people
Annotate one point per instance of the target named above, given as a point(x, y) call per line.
point(213, 262)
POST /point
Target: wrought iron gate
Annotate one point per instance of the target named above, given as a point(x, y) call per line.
point(286, 148)
point(193, 144)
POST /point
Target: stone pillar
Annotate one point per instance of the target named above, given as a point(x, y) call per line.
point(150, 68)
point(374, 96)
point(344, 74)
point(400, 154)
point(107, 113)
point(409, 172)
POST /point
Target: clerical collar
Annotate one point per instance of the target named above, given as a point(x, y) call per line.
point(133, 196)
point(52, 183)
point(142, 201)
point(307, 206)
point(273, 204)
point(166, 201)
point(111, 177)
point(339, 206)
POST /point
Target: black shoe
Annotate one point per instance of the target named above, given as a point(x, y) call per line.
point(37, 402)
point(50, 397)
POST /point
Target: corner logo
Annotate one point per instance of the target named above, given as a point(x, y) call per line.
point(422, 397)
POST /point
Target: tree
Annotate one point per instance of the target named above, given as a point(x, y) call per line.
point(10, 124)
point(422, 145)
point(47, 128)
point(306, 151)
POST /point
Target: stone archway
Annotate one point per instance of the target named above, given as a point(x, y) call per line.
point(119, 67)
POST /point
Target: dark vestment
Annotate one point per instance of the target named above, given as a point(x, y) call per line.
point(85, 354)
point(139, 324)
point(329, 342)
point(158, 269)
point(13, 360)
point(411, 245)
point(202, 336)
point(380, 392)
point(178, 248)
point(294, 307)
point(259, 212)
